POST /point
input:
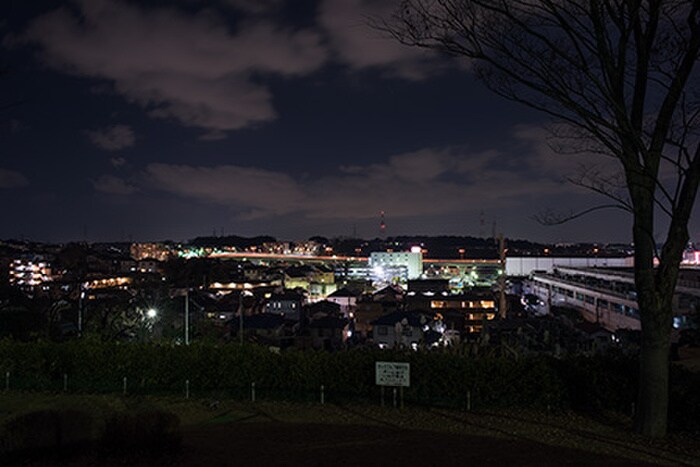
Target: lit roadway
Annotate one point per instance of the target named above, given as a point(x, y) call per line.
point(335, 258)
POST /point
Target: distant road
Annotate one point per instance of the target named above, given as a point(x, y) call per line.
point(333, 258)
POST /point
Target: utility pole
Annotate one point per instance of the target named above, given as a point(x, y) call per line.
point(187, 316)
point(502, 303)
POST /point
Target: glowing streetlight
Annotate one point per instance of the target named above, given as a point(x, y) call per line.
point(151, 313)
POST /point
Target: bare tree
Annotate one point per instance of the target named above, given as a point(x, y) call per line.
point(619, 75)
point(114, 318)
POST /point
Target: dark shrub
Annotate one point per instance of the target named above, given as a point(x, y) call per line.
point(684, 400)
point(592, 385)
point(600, 383)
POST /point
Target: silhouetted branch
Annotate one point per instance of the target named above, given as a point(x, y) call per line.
point(551, 217)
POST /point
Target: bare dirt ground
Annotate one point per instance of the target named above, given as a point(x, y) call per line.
point(267, 433)
point(292, 444)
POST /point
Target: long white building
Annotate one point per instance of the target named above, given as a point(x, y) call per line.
point(526, 265)
point(607, 296)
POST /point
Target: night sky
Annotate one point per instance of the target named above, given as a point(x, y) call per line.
point(172, 119)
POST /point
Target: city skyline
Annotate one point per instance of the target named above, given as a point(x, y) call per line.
point(170, 120)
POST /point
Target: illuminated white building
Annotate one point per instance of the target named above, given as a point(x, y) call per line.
point(30, 272)
point(404, 264)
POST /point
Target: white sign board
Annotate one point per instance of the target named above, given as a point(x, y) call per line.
point(392, 374)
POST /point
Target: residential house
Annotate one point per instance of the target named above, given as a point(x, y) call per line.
point(287, 304)
point(347, 300)
point(264, 328)
point(318, 281)
point(329, 332)
point(322, 308)
point(403, 329)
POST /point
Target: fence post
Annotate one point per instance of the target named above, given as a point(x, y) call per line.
point(469, 401)
point(65, 382)
point(323, 394)
point(394, 390)
point(7, 381)
point(124, 386)
point(187, 389)
point(252, 392)
point(381, 394)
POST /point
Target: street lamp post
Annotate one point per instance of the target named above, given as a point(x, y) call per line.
point(81, 296)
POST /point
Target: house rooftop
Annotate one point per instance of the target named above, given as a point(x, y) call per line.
point(287, 295)
point(343, 293)
point(324, 306)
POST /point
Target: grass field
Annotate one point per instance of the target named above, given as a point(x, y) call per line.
point(203, 421)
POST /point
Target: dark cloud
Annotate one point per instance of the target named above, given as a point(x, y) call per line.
point(11, 179)
point(192, 68)
point(17, 126)
point(112, 138)
point(250, 189)
point(112, 185)
point(551, 152)
point(424, 182)
point(117, 162)
point(356, 43)
point(256, 6)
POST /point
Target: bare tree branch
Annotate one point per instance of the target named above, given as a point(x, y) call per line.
point(552, 217)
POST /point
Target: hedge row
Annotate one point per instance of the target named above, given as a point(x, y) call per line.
point(437, 378)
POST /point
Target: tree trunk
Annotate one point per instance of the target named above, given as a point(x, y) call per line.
point(655, 313)
point(655, 291)
point(652, 400)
